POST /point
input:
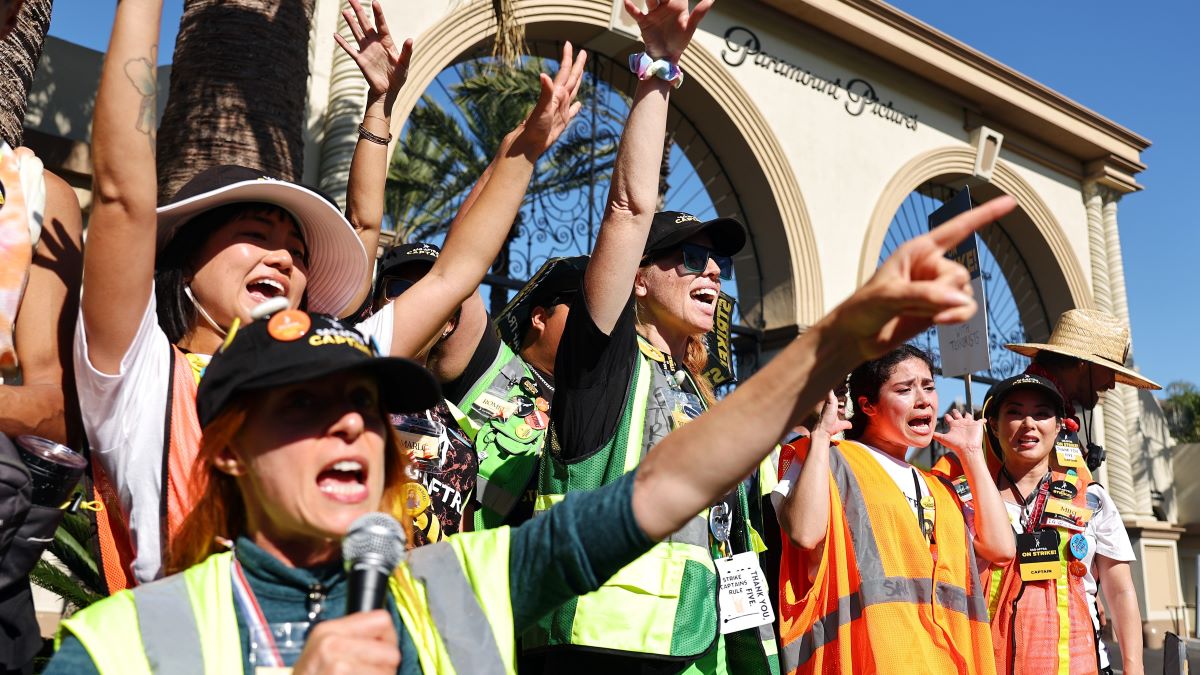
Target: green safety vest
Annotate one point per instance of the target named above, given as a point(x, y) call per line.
point(507, 447)
point(452, 597)
point(662, 605)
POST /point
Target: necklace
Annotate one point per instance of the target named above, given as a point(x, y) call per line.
point(543, 382)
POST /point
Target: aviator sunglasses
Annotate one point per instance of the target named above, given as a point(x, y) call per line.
point(696, 257)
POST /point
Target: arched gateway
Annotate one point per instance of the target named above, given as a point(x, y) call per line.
point(824, 116)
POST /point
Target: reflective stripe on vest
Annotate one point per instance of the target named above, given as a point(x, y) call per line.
point(181, 443)
point(168, 626)
point(662, 605)
point(949, 602)
point(457, 615)
point(212, 645)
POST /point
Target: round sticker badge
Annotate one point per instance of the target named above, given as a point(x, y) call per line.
point(537, 419)
point(529, 387)
point(1079, 546)
point(524, 405)
point(542, 404)
point(1061, 489)
point(1077, 568)
point(289, 325)
point(523, 431)
point(416, 498)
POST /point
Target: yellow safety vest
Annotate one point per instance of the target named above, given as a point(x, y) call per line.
point(452, 597)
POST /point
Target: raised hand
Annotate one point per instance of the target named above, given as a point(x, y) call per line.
point(916, 287)
point(383, 65)
point(964, 433)
point(829, 424)
point(667, 25)
point(556, 105)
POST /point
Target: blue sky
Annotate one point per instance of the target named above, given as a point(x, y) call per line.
point(1136, 67)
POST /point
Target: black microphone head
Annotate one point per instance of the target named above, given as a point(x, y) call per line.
point(374, 539)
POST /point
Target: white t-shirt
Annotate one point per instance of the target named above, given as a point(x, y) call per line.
point(124, 416)
point(1106, 536)
point(901, 473)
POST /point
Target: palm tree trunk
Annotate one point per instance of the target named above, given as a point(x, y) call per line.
point(19, 56)
point(238, 90)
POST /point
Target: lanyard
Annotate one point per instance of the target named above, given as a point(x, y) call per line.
point(921, 508)
point(266, 651)
point(1039, 505)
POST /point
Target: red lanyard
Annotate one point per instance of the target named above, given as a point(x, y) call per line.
point(1039, 503)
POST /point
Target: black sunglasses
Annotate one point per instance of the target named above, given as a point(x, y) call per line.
point(696, 257)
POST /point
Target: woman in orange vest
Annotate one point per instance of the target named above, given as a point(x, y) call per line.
point(1069, 534)
point(881, 573)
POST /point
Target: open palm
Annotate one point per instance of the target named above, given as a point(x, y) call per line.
point(667, 26)
point(383, 65)
point(556, 105)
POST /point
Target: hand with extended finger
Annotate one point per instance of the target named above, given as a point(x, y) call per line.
point(916, 287)
point(829, 424)
point(556, 105)
point(384, 67)
point(363, 643)
point(667, 26)
point(964, 435)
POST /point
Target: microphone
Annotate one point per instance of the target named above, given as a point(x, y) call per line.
point(372, 549)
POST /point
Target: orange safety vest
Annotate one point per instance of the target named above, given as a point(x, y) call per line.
point(1042, 627)
point(882, 598)
point(181, 443)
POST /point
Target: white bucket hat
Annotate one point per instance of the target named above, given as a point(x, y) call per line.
point(337, 260)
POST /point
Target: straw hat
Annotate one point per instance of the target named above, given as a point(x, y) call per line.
point(1092, 336)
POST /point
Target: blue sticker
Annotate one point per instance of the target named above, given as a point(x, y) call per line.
point(1079, 546)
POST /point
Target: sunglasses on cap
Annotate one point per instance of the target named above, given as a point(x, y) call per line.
point(696, 257)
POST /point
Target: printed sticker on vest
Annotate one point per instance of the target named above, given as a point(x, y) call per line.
point(421, 446)
point(494, 406)
point(744, 599)
point(1070, 511)
point(1037, 555)
point(962, 489)
point(1068, 453)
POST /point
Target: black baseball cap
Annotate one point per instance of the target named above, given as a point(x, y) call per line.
point(671, 228)
point(557, 281)
point(336, 257)
point(403, 254)
point(295, 346)
point(1002, 389)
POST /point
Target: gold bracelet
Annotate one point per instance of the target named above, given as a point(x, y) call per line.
point(368, 136)
point(376, 117)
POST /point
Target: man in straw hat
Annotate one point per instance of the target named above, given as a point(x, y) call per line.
point(1085, 357)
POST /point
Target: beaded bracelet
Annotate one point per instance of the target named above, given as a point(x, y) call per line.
point(645, 67)
point(368, 136)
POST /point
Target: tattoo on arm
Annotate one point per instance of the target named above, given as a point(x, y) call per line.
point(141, 73)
